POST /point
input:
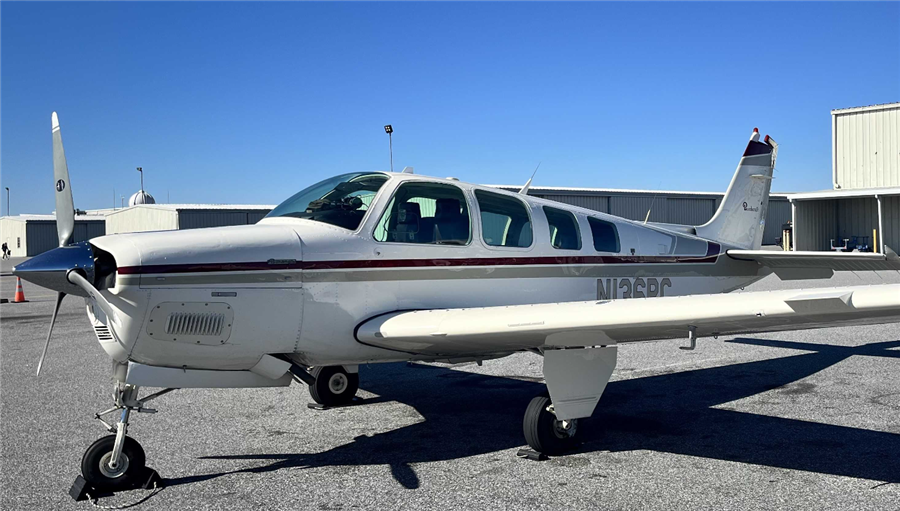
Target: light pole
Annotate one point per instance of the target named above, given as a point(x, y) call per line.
point(141, 170)
point(389, 129)
point(7, 201)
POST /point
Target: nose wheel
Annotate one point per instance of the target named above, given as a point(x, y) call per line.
point(334, 386)
point(98, 471)
point(544, 432)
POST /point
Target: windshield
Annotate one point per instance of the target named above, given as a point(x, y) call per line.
point(340, 200)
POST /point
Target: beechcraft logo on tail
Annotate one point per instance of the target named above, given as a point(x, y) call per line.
point(746, 208)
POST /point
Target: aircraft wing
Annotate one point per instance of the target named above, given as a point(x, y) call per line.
point(579, 324)
point(813, 265)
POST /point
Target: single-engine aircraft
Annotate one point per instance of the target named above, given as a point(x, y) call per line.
point(370, 267)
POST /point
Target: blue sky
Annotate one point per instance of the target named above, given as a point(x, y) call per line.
point(250, 102)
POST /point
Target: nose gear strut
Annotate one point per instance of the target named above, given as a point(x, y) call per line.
point(117, 462)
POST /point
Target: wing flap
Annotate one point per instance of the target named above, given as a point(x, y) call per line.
point(580, 324)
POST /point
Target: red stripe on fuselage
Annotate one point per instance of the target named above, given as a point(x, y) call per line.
point(710, 257)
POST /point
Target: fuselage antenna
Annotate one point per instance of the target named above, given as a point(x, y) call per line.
point(524, 190)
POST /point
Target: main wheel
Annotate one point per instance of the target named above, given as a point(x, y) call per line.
point(95, 464)
point(543, 432)
point(334, 386)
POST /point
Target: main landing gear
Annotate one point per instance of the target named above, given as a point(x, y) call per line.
point(117, 462)
point(576, 378)
point(544, 432)
point(334, 385)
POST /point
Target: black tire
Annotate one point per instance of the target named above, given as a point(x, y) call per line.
point(334, 386)
point(543, 432)
point(132, 460)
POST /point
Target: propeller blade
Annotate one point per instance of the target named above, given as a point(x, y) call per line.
point(65, 205)
point(76, 278)
point(59, 298)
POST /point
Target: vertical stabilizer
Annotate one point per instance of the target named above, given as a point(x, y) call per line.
point(741, 218)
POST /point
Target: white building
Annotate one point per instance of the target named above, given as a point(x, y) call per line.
point(863, 207)
point(164, 217)
point(29, 235)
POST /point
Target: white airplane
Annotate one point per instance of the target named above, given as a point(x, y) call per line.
point(371, 267)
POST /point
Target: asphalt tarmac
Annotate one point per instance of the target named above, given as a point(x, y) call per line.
point(799, 420)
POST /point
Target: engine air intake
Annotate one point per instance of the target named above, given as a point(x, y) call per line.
point(191, 322)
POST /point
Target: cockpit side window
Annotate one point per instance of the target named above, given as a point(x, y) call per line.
point(606, 236)
point(564, 233)
point(504, 220)
point(341, 200)
point(426, 213)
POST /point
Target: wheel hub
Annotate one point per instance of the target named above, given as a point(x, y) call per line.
point(338, 383)
point(120, 468)
point(565, 429)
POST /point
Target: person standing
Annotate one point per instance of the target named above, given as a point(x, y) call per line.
point(5, 251)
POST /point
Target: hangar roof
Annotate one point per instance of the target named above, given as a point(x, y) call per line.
point(869, 108)
point(205, 206)
point(616, 191)
point(52, 218)
point(192, 207)
point(844, 194)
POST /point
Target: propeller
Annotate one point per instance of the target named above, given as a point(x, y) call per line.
point(65, 215)
point(59, 298)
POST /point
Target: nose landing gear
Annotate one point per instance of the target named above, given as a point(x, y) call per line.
point(117, 462)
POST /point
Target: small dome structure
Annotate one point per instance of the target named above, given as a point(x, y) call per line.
point(141, 197)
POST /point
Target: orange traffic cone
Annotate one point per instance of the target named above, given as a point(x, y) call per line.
point(20, 293)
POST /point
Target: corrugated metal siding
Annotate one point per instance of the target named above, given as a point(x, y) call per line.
point(779, 213)
point(596, 202)
point(867, 148)
point(636, 207)
point(816, 225)
point(256, 216)
point(41, 237)
point(890, 211)
point(198, 219)
point(689, 211)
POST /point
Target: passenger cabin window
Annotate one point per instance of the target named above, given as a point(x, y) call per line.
point(504, 220)
point(564, 233)
point(341, 200)
point(606, 236)
point(430, 213)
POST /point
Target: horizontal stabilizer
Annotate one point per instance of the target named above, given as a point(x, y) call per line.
point(799, 265)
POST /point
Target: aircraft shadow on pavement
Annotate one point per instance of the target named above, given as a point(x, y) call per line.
point(469, 414)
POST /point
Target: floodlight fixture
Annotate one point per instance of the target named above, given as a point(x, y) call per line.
point(390, 129)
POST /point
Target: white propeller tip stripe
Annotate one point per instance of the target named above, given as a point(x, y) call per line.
point(55, 121)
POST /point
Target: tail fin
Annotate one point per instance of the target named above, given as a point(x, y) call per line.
point(741, 218)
